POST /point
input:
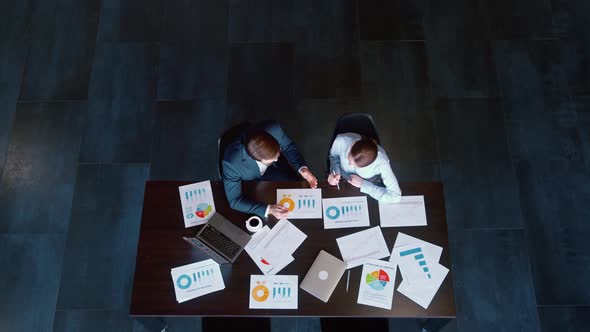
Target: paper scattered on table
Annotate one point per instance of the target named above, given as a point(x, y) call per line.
point(423, 293)
point(197, 203)
point(377, 284)
point(432, 251)
point(197, 279)
point(344, 212)
point(410, 211)
point(418, 264)
point(272, 250)
point(273, 292)
point(357, 247)
point(302, 203)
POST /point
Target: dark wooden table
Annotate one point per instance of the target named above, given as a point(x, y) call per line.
point(161, 248)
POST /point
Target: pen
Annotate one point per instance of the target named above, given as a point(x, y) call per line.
point(338, 186)
point(347, 280)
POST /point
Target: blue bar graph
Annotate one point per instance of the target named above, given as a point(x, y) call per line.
point(409, 252)
point(419, 257)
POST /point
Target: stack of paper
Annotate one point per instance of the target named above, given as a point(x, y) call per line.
point(193, 280)
point(273, 292)
point(418, 263)
point(272, 250)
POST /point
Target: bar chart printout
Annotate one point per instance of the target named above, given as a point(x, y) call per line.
point(273, 292)
point(345, 212)
point(302, 203)
point(196, 279)
point(197, 203)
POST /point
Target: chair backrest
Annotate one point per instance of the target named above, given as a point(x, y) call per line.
point(228, 137)
point(360, 123)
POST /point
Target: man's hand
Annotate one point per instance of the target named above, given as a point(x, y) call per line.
point(307, 175)
point(356, 180)
point(333, 179)
point(278, 211)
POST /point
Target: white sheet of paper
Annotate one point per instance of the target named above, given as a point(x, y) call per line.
point(282, 240)
point(265, 266)
point(410, 211)
point(273, 292)
point(344, 212)
point(197, 203)
point(414, 264)
point(357, 247)
point(432, 251)
point(377, 284)
point(302, 203)
point(423, 292)
point(197, 279)
point(267, 262)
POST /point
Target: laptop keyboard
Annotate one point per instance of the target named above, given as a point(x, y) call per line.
point(220, 241)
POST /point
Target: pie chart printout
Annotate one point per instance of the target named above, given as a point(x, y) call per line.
point(203, 210)
point(377, 280)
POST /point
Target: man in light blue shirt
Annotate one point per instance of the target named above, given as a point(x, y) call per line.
point(362, 163)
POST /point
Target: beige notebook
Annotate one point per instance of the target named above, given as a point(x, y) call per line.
point(323, 276)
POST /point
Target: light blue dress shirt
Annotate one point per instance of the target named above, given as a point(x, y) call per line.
point(378, 169)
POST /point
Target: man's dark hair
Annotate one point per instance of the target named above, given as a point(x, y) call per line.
point(364, 152)
point(261, 145)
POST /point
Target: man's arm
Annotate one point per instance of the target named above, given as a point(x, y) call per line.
point(232, 182)
point(288, 147)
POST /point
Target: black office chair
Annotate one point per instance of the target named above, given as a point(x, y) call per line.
point(360, 123)
point(228, 137)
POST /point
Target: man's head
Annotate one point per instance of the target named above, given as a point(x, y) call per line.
point(262, 146)
point(363, 152)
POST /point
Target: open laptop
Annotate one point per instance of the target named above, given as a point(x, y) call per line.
point(220, 239)
point(323, 276)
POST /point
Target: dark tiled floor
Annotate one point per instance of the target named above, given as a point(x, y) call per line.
point(102, 237)
point(490, 97)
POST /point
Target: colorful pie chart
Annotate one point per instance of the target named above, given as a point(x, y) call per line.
point(377, 280)
point(203, 210)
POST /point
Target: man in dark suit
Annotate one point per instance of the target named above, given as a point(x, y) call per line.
point(263, 152)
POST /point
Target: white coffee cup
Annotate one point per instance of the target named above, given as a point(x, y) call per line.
point(254, 226)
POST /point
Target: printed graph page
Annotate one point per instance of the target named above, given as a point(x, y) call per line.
point(345, 212)
point(197, 203)
point(302, 203)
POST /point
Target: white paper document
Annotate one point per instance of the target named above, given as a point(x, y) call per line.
point(377, 284)
point(344, 212)
point(413, 263)
point(197, 203)
point(264, 266)
point(357, 247)
point(272, 250)
point(423, 293)
point(197, 279)
point(302, 203)
point(273, 292)
point(418, 264)
point(410, 211)
point(432, 251)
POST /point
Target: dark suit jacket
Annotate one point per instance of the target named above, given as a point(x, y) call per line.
point(238, 166)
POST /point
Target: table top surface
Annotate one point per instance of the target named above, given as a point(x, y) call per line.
point(162, 248)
